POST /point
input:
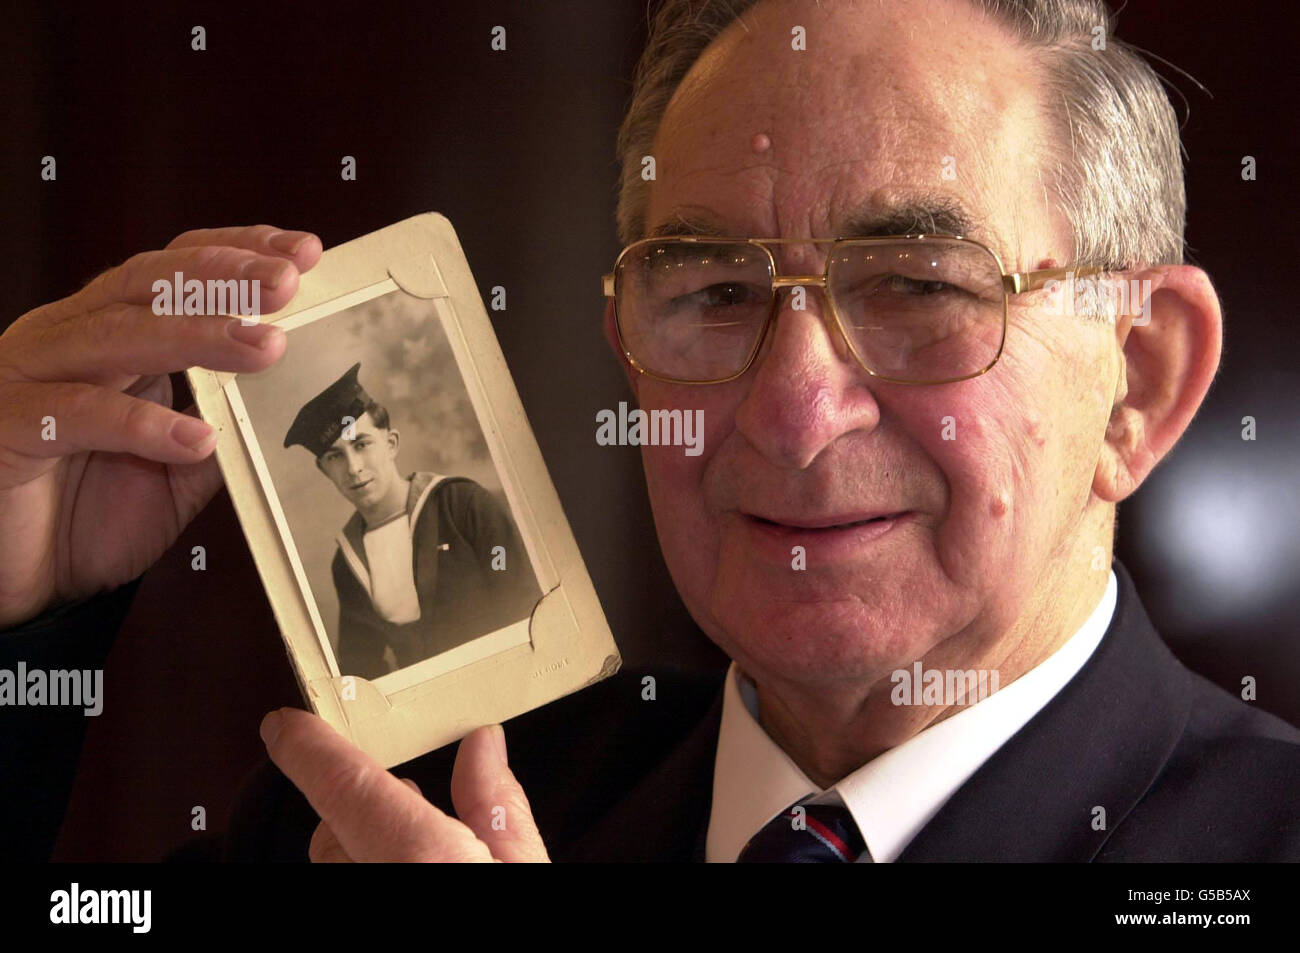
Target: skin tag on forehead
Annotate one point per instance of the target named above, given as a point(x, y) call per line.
point(761, 142)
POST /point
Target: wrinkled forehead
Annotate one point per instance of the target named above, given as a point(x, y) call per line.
point(896, 117)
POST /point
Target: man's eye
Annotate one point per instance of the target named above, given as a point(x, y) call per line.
point(726, 294)
point(913, 287)
point(723, 294)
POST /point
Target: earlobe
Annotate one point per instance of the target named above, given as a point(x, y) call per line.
point(1170, 343)
point(1125, 457)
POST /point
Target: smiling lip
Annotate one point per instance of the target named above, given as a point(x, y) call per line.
point(360, 485)
point(825, 522)
point(838, 538)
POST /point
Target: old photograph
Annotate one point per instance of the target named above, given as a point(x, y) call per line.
point(391, 502)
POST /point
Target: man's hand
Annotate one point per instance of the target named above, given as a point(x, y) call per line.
point(367, 814)
point(98, 504)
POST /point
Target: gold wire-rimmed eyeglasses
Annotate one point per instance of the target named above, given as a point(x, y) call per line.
point(913, 309)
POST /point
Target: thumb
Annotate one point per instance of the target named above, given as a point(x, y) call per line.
point(194, 484)
point(490, 801)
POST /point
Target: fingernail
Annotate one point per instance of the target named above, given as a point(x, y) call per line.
point(499, 736)
point(193, 434)
point(268, 271)
point(288, 242)
point(271, 725)
point(254, 335)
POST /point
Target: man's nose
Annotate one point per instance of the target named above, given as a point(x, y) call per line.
point(806, 389)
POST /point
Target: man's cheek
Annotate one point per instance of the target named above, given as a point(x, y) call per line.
point(687, 537)
point(674, 481)
point(682, 432)
point(973, 443)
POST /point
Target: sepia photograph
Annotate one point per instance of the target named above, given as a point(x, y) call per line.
point(391, 504)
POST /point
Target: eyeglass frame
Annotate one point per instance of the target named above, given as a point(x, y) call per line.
point(1013, 283)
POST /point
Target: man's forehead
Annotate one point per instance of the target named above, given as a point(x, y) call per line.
point(912, 141)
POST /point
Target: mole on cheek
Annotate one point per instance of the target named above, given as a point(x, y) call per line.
point(1035, 429)
point(999, 505)
point(761, 142)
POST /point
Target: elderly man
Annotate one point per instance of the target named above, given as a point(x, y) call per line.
point(913, 454)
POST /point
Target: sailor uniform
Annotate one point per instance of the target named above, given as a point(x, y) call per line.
point(424, 582)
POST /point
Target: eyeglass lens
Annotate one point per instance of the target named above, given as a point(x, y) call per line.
point(919, 310)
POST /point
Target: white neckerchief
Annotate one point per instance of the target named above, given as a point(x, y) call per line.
point(392, 571)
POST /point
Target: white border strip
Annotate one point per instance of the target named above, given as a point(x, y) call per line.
point(277, 514)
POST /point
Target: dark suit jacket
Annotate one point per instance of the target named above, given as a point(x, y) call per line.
point(1185, 772)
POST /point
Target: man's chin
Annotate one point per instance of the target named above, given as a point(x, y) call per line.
point(817, 641)
point(363, 495)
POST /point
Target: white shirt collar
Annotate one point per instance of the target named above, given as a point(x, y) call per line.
point(894, 795)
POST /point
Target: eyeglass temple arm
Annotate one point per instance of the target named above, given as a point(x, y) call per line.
point(1020, 281)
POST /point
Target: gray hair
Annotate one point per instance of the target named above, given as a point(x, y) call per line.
point(1115, 165)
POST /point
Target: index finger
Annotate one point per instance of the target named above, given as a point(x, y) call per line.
point(301, 248)
point(374, 816)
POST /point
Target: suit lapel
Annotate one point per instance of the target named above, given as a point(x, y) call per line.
point(1099, 743)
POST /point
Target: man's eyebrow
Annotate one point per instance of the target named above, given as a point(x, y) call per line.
point(924, 215)
point(687, 223)
point(930, 215)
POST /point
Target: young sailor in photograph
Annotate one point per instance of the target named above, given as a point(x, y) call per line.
point(427, 562)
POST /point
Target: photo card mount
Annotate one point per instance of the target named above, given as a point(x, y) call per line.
point(492, 677)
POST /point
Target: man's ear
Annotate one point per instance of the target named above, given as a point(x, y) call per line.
point(611, 337)
point(394, 439)
point(1170, 355)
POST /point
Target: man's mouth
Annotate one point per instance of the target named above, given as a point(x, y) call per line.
point(358, 486)
point(817, 524)
point(825, 539)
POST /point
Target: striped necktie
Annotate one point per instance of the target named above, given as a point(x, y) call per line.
point(807, 834)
